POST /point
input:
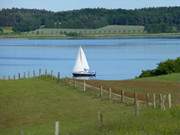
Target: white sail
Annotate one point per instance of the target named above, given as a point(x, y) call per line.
point(81, 64)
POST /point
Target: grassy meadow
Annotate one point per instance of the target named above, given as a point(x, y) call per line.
point(33, 105)
point(110, 30)
point(107, 30)
point(7, 30)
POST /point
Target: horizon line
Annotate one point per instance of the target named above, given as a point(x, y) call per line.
point(89, 8)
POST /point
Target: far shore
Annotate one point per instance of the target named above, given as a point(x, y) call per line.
point(107, 36)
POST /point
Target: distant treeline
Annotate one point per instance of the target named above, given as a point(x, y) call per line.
point(155, 20)
point(166, 67)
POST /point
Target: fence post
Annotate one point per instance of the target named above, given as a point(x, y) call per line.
point(14, 77)
point(21, 132)
point(9, 78)
point(100, 119)
point(154, 100)
point(122, 96)
point(101, 91)
point(34, 73)
point(75, 85)
point(58, 76)
point(160, 100)
point(57, 132)
point(137, 108)
point(24, 75)
point(84, 88)
point(45, 72)
point(147, 99)
point(169, 100)
point(135, 97)
point(110, 93)
point(51, 73)
point(19, 75)
point(163, 102)
point(39, 72)
point(28, 74)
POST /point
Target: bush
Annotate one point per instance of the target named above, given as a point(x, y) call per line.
point(1, 30)
point(72, 34)
point(166, 67)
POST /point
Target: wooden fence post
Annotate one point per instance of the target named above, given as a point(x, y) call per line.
point(28, 74)
point(58, 76)
point(24, 75)
point(45, 72)
point(147, 99)
point(101, 91)
point(51, 73)
point(154, 100)
point(110, 93)
point(39, 72)
point(135, 98)
point(21, 132)
point(14, 77)
point(160, 100)
point(84, 88)
point(137, 108)
point(169, 101)
point(19, 76)
point(122, 96)
point(57, 131)
point(100, 119)
point(34, 73)
point(163, 102)
point(75, 84)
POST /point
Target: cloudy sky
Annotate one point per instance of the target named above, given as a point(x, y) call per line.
point(60, 5)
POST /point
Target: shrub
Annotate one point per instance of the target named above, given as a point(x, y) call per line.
point(166, 67)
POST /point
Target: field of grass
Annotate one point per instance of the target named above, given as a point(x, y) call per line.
point(7, 30)
point(111, 29)
point(33, 105)
point(175, 77)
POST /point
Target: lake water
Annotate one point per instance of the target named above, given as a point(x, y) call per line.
point(110, 58)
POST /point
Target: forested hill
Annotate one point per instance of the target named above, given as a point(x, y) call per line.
point(155, 20)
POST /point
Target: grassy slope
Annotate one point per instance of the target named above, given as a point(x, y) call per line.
point(164, 78)
point(7, 30)
point(34, 105)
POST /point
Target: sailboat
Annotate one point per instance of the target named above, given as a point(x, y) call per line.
point(81, 67)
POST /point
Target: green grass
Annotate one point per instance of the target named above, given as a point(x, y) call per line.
point(108, 30)
point(7, 30)
point(34, 105)
point(175, 77)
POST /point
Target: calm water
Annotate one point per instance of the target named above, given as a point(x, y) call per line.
point(110, 58)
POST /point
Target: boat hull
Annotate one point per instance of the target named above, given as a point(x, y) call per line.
point(84, 74)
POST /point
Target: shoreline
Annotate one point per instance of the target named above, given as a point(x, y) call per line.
point(108, 36)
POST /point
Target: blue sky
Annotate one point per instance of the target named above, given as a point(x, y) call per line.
point(60, 5)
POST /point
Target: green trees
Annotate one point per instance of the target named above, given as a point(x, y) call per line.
point(155, 20)
point(166, 67)
point(23, 19)
point(160, 28)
